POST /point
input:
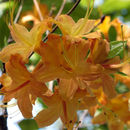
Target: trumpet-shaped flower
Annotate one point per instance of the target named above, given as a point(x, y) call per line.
point(62, 58)
point(115, 112)
point(80, 29)
point(58, 106)
point(26, 41)
point(18, 83)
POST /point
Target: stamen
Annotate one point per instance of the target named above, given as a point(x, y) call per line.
point(85, 18)
point(10, 105)
point(65, 56)
point(15, 29)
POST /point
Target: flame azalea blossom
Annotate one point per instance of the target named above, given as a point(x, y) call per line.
point(80, 29)
point(70, 63)
point(60, 106)
point(79, 60)
point(98, 47)
point(26, 41)
point(19, 84)
point(107, 23)
point(112, 113)
point(33, 15)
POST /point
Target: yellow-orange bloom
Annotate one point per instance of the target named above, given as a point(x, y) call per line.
point(18, 83)
point(115, 112)
point(26, 41)
point(60, 106)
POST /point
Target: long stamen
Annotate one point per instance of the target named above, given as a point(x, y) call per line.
point(10, 105)
point(85, 18)
point(65, 56)
point(12, 23)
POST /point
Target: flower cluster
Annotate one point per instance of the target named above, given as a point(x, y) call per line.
point(79, 60)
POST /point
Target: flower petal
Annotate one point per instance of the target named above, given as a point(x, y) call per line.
point(11, 49)
point(47, 117)
point(108, 85)
point(65, 23)
point(25, 105)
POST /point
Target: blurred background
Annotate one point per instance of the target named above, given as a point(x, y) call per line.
point(27, 15)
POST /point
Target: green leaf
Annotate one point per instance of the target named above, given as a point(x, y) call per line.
point(28, 124)
point(121, 88)
point(116, 48)
point(112, 33)
point(4, 33)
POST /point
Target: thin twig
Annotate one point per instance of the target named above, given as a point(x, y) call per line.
point(73, 8)
point(101, 21)
point(19, 12)
point(38, 9)
point(61, 9)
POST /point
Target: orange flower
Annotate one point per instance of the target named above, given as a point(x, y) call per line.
point(80, 29)
point(83, 27)
point(116, 112)
point(20, 84)
point(33, 15)
point(65, 59)
point(63, 107)
point(26, 42)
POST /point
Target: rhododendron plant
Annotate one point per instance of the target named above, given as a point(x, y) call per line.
point(86, 66)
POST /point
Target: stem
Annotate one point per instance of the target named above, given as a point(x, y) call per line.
point(3, 118)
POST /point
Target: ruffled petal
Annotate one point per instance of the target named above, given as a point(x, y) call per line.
point(12, 49)
point(108, 85)
point(65, 23)
point(25, 105)
point(67, 88)
point(47, 117)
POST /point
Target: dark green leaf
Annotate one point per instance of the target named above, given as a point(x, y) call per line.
point(28, 124)
point(4, 33)
point(116, 48)
point(112, 33)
